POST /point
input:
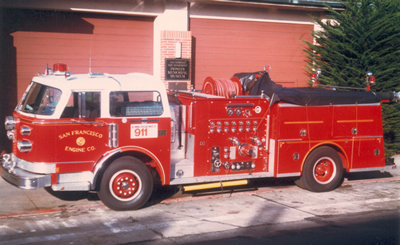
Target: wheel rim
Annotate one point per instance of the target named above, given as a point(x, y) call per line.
point(324, 170)
point(125, 185)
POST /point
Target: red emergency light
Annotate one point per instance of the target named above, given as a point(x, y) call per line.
point(58, 67)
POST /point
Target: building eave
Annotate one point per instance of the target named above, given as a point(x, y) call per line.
point(310, 5)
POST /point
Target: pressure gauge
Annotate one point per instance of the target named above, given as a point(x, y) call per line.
point(238, 111)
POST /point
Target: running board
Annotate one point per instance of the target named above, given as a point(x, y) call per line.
point(219, 178)
point(386, 168)
point(215, 185)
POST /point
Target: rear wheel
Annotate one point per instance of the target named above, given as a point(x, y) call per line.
point(126, 184)
point(322, 171)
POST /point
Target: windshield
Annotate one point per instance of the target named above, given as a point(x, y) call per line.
point(40, 100)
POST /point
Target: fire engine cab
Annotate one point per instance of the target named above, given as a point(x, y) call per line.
point(118, 134)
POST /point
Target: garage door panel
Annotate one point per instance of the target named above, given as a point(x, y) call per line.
point(254, 49)
point(242, 53)
point(262, 36)
point(225, 47)
point(251, 44)
point(115, 44)
point(74, 39)
point(242, 26)
point(23, 39)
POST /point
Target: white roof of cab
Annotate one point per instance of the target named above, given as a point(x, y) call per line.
point(117, 82)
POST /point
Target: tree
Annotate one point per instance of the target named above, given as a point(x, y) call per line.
point(364, 36)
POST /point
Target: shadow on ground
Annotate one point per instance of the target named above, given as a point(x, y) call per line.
point(362, 228)
point(368, 175)
point(162, 193)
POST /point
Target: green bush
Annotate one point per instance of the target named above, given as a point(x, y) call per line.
point(364, 36)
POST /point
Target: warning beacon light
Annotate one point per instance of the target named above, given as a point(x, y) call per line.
point(369, 80)
point(315, 78)
point(59, 69)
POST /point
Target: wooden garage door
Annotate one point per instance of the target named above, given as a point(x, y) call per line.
point(224, 47)
point(112, 44)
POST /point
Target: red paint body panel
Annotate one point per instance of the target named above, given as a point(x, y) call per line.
point(43, 147)
point(354, 130)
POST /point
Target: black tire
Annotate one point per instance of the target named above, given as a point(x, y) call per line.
point(131, 193)
point(322, 171)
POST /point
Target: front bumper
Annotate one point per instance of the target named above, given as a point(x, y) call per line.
point(21, 178)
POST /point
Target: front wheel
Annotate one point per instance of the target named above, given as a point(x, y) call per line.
point(322, 171)
point(126, 184)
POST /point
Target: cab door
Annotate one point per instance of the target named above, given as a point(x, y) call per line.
point(141, 124)
point(82, 136)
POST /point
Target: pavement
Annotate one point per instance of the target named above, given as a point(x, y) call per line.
point(19, 202)
point(364, 210)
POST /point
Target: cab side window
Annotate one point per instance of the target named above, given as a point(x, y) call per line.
point(135, 103)
point(91, 106)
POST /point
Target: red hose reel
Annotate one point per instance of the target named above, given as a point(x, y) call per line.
point(227, 88)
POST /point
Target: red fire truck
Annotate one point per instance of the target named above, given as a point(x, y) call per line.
point(118, 134)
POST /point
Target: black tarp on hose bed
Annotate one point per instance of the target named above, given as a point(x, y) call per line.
point(302, 95)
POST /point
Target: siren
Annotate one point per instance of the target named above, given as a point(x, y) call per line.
point(60, 69)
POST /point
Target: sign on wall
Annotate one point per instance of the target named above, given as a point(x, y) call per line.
point(177, 69)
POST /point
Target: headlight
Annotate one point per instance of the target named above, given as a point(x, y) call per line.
point(10, 134)
point(9, 123)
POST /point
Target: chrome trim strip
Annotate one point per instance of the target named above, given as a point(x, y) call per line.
point(39, 167)
point(36, 167)
point(289, 140)
point(100, 163)
point(74, 122)
point(356, 170)
point(76, 186)
point(367, 137)
point(288, 175)
point(196, 94)
point(26, 180)
point(74, 162)
point(85, 176)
